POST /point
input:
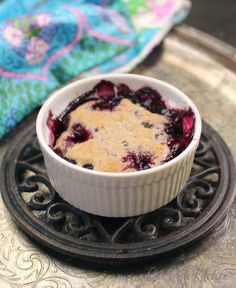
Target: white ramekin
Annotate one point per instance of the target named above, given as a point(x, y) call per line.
point(116, 194)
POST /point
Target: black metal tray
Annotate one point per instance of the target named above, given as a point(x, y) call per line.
point(42, 214)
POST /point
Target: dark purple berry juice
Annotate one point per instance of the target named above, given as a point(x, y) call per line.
point(113, 128)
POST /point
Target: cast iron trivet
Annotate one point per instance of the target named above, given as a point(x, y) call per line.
point(42, 214)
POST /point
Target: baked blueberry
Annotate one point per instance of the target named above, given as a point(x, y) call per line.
point(88, 166)
point(118, 142)
point(147, 125)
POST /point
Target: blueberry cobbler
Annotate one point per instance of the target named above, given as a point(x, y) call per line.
point(112, 128)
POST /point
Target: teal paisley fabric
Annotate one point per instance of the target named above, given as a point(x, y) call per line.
point(44, 44)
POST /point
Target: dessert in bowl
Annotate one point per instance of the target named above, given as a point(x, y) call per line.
point(118, 145)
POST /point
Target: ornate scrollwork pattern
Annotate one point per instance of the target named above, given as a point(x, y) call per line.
point(208, 263)
point(39, 195)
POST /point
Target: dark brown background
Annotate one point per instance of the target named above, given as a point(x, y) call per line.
point(216, 17)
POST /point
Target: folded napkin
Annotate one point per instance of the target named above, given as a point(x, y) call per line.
point(45, 43)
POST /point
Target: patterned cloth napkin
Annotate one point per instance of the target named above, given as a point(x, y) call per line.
point(45, 43)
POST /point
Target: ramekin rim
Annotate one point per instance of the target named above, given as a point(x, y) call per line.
point(159, 168)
